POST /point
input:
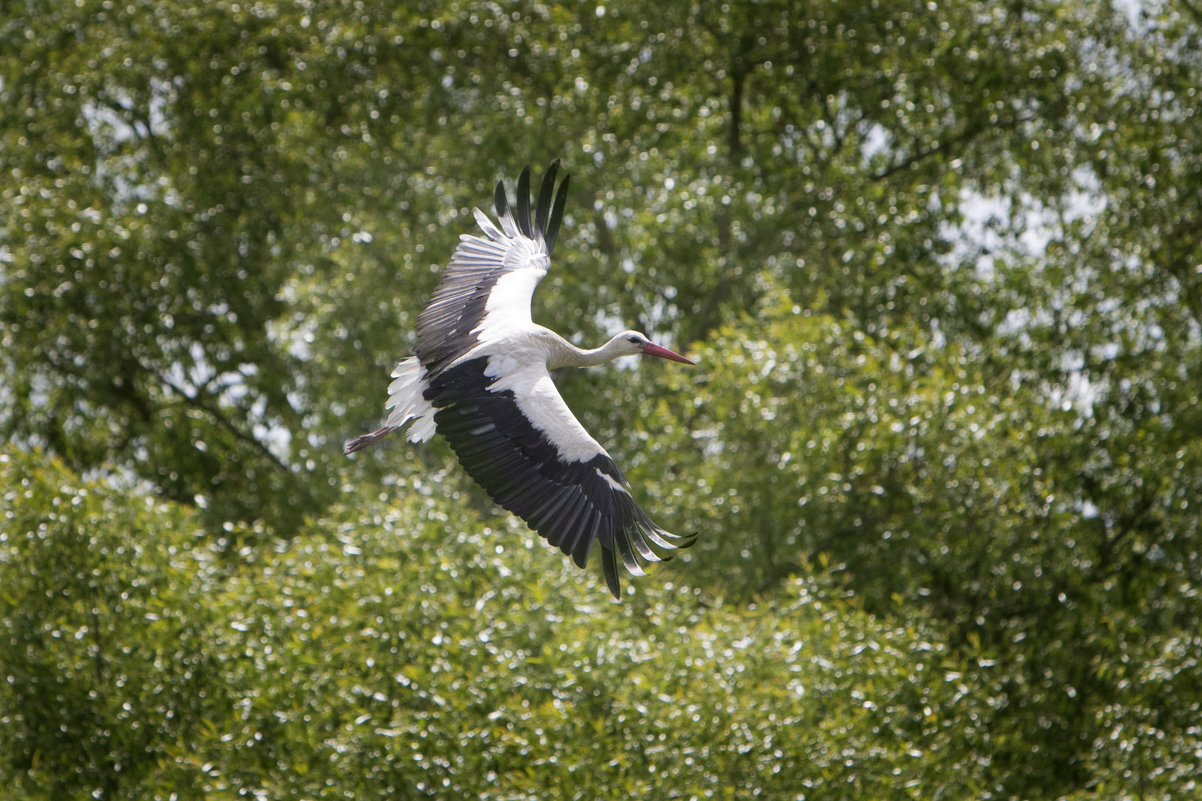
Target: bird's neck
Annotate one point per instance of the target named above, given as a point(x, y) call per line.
point(573, 356)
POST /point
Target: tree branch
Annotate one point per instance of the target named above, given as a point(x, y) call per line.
point(946, 144)
point(223, 422)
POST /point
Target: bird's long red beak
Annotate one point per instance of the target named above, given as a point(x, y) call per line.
point(655, 350)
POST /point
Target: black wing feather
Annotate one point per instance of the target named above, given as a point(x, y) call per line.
point(545, 192)
point(552, 230)
point(500, 200)
point(523, 211)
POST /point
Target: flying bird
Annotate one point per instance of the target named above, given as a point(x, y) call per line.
point(481, 377)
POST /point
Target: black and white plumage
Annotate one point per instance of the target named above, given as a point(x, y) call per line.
point(481, 377)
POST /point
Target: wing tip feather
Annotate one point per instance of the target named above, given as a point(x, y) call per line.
point(609, 565)
point(523, 203)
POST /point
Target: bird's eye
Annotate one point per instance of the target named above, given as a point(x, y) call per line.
point(633, 339)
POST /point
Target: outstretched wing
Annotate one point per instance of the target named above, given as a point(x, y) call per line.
point(487, 287)
point(518, 439)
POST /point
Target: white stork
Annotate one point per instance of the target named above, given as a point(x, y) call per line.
point(481, 377)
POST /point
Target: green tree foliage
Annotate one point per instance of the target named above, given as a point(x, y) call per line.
point(938, 263)
point(934, 489)
point(107, 672)
point(374, 655)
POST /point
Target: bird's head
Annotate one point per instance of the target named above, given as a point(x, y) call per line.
point(633, 342)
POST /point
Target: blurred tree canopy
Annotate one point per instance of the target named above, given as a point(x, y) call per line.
point(939, 263)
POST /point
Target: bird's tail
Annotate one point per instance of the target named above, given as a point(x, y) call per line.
point(407, 404)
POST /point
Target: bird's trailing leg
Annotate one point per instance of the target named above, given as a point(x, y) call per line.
point(359, 443)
